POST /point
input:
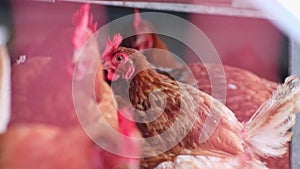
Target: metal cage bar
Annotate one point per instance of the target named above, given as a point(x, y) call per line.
point(295, 69)
point(235, 8)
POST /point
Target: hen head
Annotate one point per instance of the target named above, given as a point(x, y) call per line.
point(143, 40)
point(118, 61)
point(143, 33)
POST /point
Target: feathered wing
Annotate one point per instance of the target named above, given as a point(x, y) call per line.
point(245, 91)
point(267, 131)
point(265, 134)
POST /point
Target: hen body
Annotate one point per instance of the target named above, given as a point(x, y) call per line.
point(209, 128)
point(181, 105)
point(245, 91)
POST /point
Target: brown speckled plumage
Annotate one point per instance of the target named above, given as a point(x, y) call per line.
point(208, 128)
point(245, 92)
point(181, 102)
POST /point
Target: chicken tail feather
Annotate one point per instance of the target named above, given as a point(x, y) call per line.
point(267, 132)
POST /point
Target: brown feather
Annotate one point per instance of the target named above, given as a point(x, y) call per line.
point(181, 104)
point(202, 126)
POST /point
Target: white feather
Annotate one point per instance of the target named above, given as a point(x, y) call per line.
point(268, 128)
point(209, 162)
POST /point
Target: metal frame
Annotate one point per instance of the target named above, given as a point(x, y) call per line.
point(295, 69)
point(236, 8)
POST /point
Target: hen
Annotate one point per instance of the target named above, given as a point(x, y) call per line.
point(245, 91)
point(212, 136)
point(44, 125)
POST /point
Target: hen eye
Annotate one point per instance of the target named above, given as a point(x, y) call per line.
point(119, 58)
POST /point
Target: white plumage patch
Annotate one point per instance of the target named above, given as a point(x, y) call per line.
point(267, 130)
point(209, 162)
